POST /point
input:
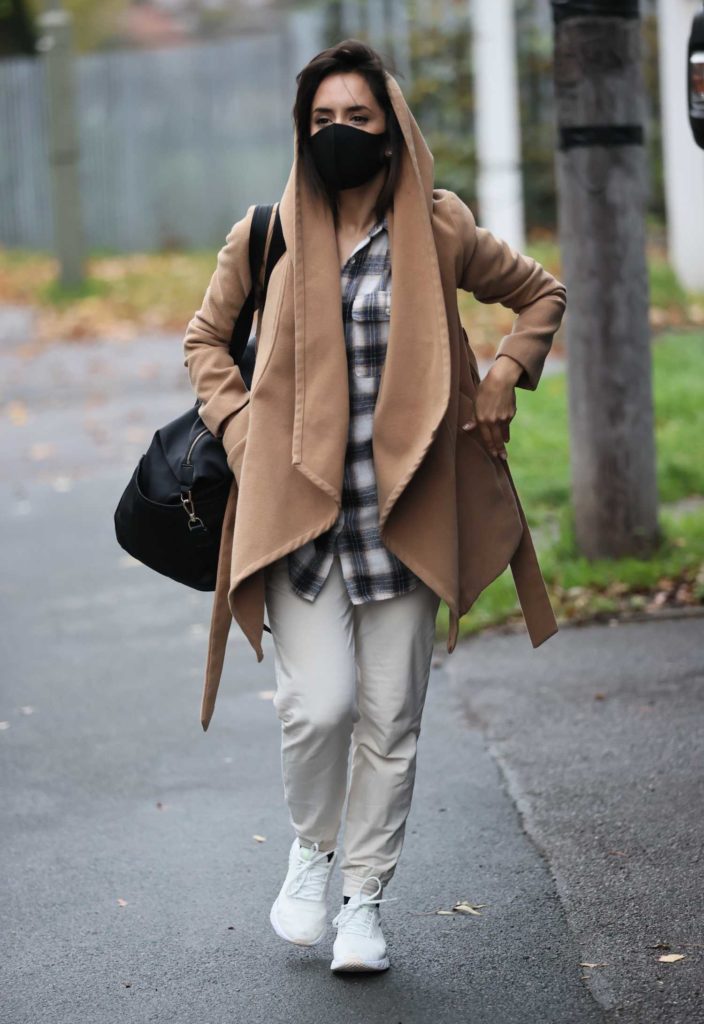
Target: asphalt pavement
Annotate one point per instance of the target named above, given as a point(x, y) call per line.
point(559, 790)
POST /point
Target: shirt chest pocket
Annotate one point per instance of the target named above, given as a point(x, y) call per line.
point(370, 317)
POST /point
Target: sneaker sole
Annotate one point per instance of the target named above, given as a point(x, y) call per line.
point(282, 934)
point(360, 965)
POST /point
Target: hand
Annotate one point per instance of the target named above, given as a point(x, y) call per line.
point(495, 404)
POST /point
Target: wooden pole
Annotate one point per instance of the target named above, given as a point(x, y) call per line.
point(601, 174)
point(55, 45)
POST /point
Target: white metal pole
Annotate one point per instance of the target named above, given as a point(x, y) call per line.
point(497, 120)
point(683, 160)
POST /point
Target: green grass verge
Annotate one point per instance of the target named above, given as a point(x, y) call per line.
point(539, 454)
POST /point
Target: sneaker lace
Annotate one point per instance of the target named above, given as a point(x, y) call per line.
point(310, 876)
point(359, 915)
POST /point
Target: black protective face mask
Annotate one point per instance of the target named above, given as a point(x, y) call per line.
point(346, 156)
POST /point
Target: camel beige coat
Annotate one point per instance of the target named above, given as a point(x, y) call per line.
point(447, 507)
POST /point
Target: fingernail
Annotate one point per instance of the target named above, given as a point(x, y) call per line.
point(504, 455)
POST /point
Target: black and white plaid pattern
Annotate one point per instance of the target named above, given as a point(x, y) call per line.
point(371, 571)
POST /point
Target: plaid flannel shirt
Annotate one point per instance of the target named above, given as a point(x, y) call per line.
point(370, 570)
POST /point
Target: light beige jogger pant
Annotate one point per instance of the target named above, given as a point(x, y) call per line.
point(350, 678)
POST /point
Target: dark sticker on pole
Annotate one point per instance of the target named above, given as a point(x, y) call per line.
point(563, 9)
point(601, 135)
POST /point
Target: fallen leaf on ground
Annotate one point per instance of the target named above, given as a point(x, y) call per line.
point(463, 907)
point(121, 902)
point(260, 839)
point(671, 958)
point(41, 450)
point(593, 965)
point(17, 411)
point(126, 561)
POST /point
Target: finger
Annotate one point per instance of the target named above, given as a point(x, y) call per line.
point(498, 441)
point(487, 437)
point(505, 431)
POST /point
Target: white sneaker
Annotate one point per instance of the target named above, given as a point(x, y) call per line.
point(360, 944)
point(299, 912)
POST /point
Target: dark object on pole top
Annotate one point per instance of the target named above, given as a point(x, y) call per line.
point(695, 78)
point(563, 9)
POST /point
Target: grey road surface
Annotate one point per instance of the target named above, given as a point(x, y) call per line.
point(133, 888)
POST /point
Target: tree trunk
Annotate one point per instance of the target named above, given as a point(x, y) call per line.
point(601, 174)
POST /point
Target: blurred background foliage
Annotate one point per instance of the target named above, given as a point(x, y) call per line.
point(436, 42)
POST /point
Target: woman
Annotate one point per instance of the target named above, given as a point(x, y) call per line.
point(369, 471)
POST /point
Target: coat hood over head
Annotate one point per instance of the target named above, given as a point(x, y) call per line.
point(416, 379)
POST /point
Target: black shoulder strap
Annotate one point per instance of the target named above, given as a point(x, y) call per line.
point(257, 241)
point(277, 247)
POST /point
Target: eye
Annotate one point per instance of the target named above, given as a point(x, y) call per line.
point(355, 117)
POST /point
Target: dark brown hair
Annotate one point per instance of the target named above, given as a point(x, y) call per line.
point(349, 55)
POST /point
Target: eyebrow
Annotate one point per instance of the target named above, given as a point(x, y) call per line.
point(328, 110)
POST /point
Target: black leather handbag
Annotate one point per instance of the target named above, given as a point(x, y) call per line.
point(171, 512)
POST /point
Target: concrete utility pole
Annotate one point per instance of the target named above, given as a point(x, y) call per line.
point(601, 173)
point(497, 120)
point(55, 45)
point(683, 160)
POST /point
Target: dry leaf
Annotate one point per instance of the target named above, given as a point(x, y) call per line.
point(41, 450)
point(121, 903)
point(593, 965)
point(17, 411)
point(126, 561)
point(260, 839)
point(136, 435)
point(463, 907)
point(671, 958)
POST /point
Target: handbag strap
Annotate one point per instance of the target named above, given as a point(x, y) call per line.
point(257, 242)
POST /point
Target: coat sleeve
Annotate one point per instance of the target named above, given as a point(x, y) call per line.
point(215, 377)
point(496, 272)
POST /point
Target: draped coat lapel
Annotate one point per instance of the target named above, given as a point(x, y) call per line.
point(447, 508)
